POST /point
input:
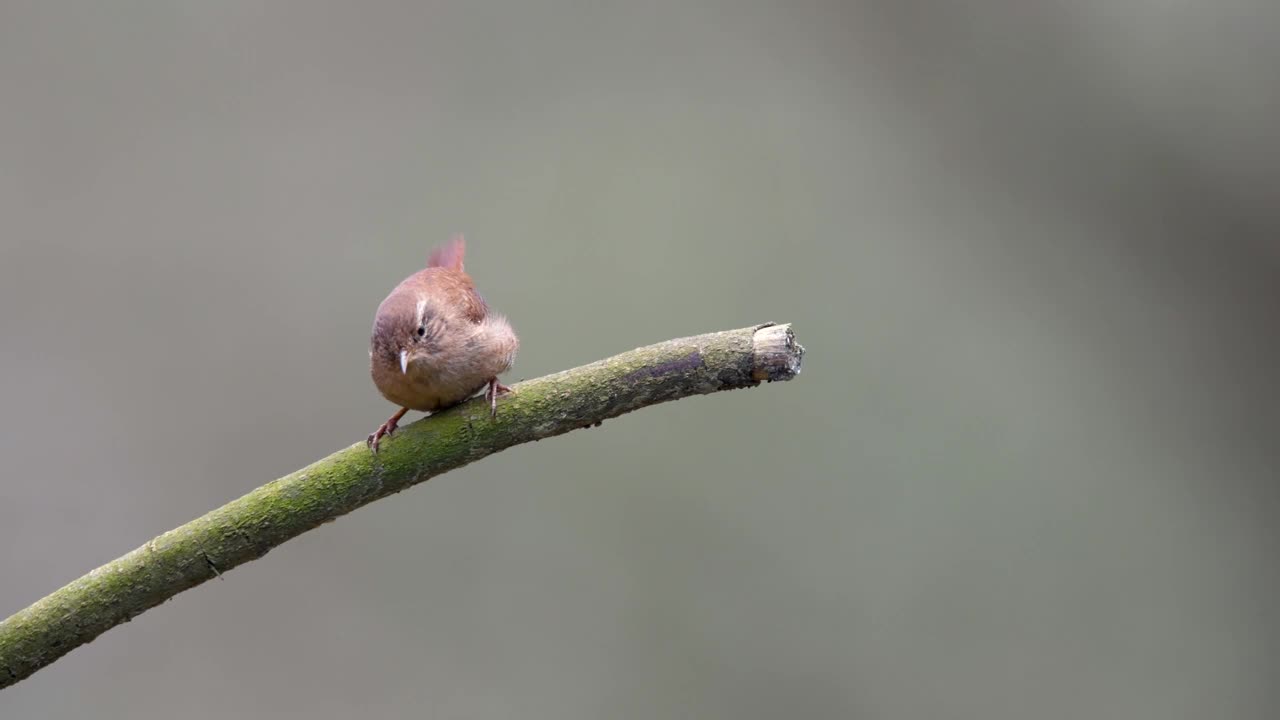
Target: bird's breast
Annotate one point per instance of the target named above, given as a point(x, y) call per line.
point(428, 384)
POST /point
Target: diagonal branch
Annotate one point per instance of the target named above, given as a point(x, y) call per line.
point(246, 528)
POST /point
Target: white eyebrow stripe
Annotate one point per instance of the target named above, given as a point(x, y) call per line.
point(422, 309)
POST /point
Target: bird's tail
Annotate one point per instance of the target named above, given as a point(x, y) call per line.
point(449, 255)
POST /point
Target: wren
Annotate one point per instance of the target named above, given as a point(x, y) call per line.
point(435, 343)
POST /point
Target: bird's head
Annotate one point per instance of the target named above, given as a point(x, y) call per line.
point(404, 330)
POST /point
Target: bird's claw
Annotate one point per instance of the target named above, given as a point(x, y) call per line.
point(386, 429)
point(495, 389)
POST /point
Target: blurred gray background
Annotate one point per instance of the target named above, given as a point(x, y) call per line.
point(1029, 469)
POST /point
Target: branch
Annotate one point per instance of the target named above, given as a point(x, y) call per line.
point(246, 528)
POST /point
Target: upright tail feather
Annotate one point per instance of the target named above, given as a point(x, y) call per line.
point(449, 255)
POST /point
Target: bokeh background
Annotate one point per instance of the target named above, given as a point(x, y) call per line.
point(1029, 469)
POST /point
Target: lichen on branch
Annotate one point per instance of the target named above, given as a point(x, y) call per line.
point(248, 527)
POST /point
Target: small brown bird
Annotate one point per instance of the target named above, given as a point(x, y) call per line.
point(435, 343)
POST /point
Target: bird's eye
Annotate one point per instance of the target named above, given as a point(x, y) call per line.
point(421, 331)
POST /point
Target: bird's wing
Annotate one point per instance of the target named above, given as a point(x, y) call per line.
point(474, 306)
point(452, 292)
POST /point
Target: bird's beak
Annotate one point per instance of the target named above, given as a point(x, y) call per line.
point(404, 361)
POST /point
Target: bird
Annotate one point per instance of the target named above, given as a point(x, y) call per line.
point(435, 343)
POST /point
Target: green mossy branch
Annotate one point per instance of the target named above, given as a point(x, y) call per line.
point(247, 528)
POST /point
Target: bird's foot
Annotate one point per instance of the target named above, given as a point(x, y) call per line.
point(387, 429)
point(495, 389)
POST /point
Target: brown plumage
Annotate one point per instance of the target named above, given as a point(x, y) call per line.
point(435, 343)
